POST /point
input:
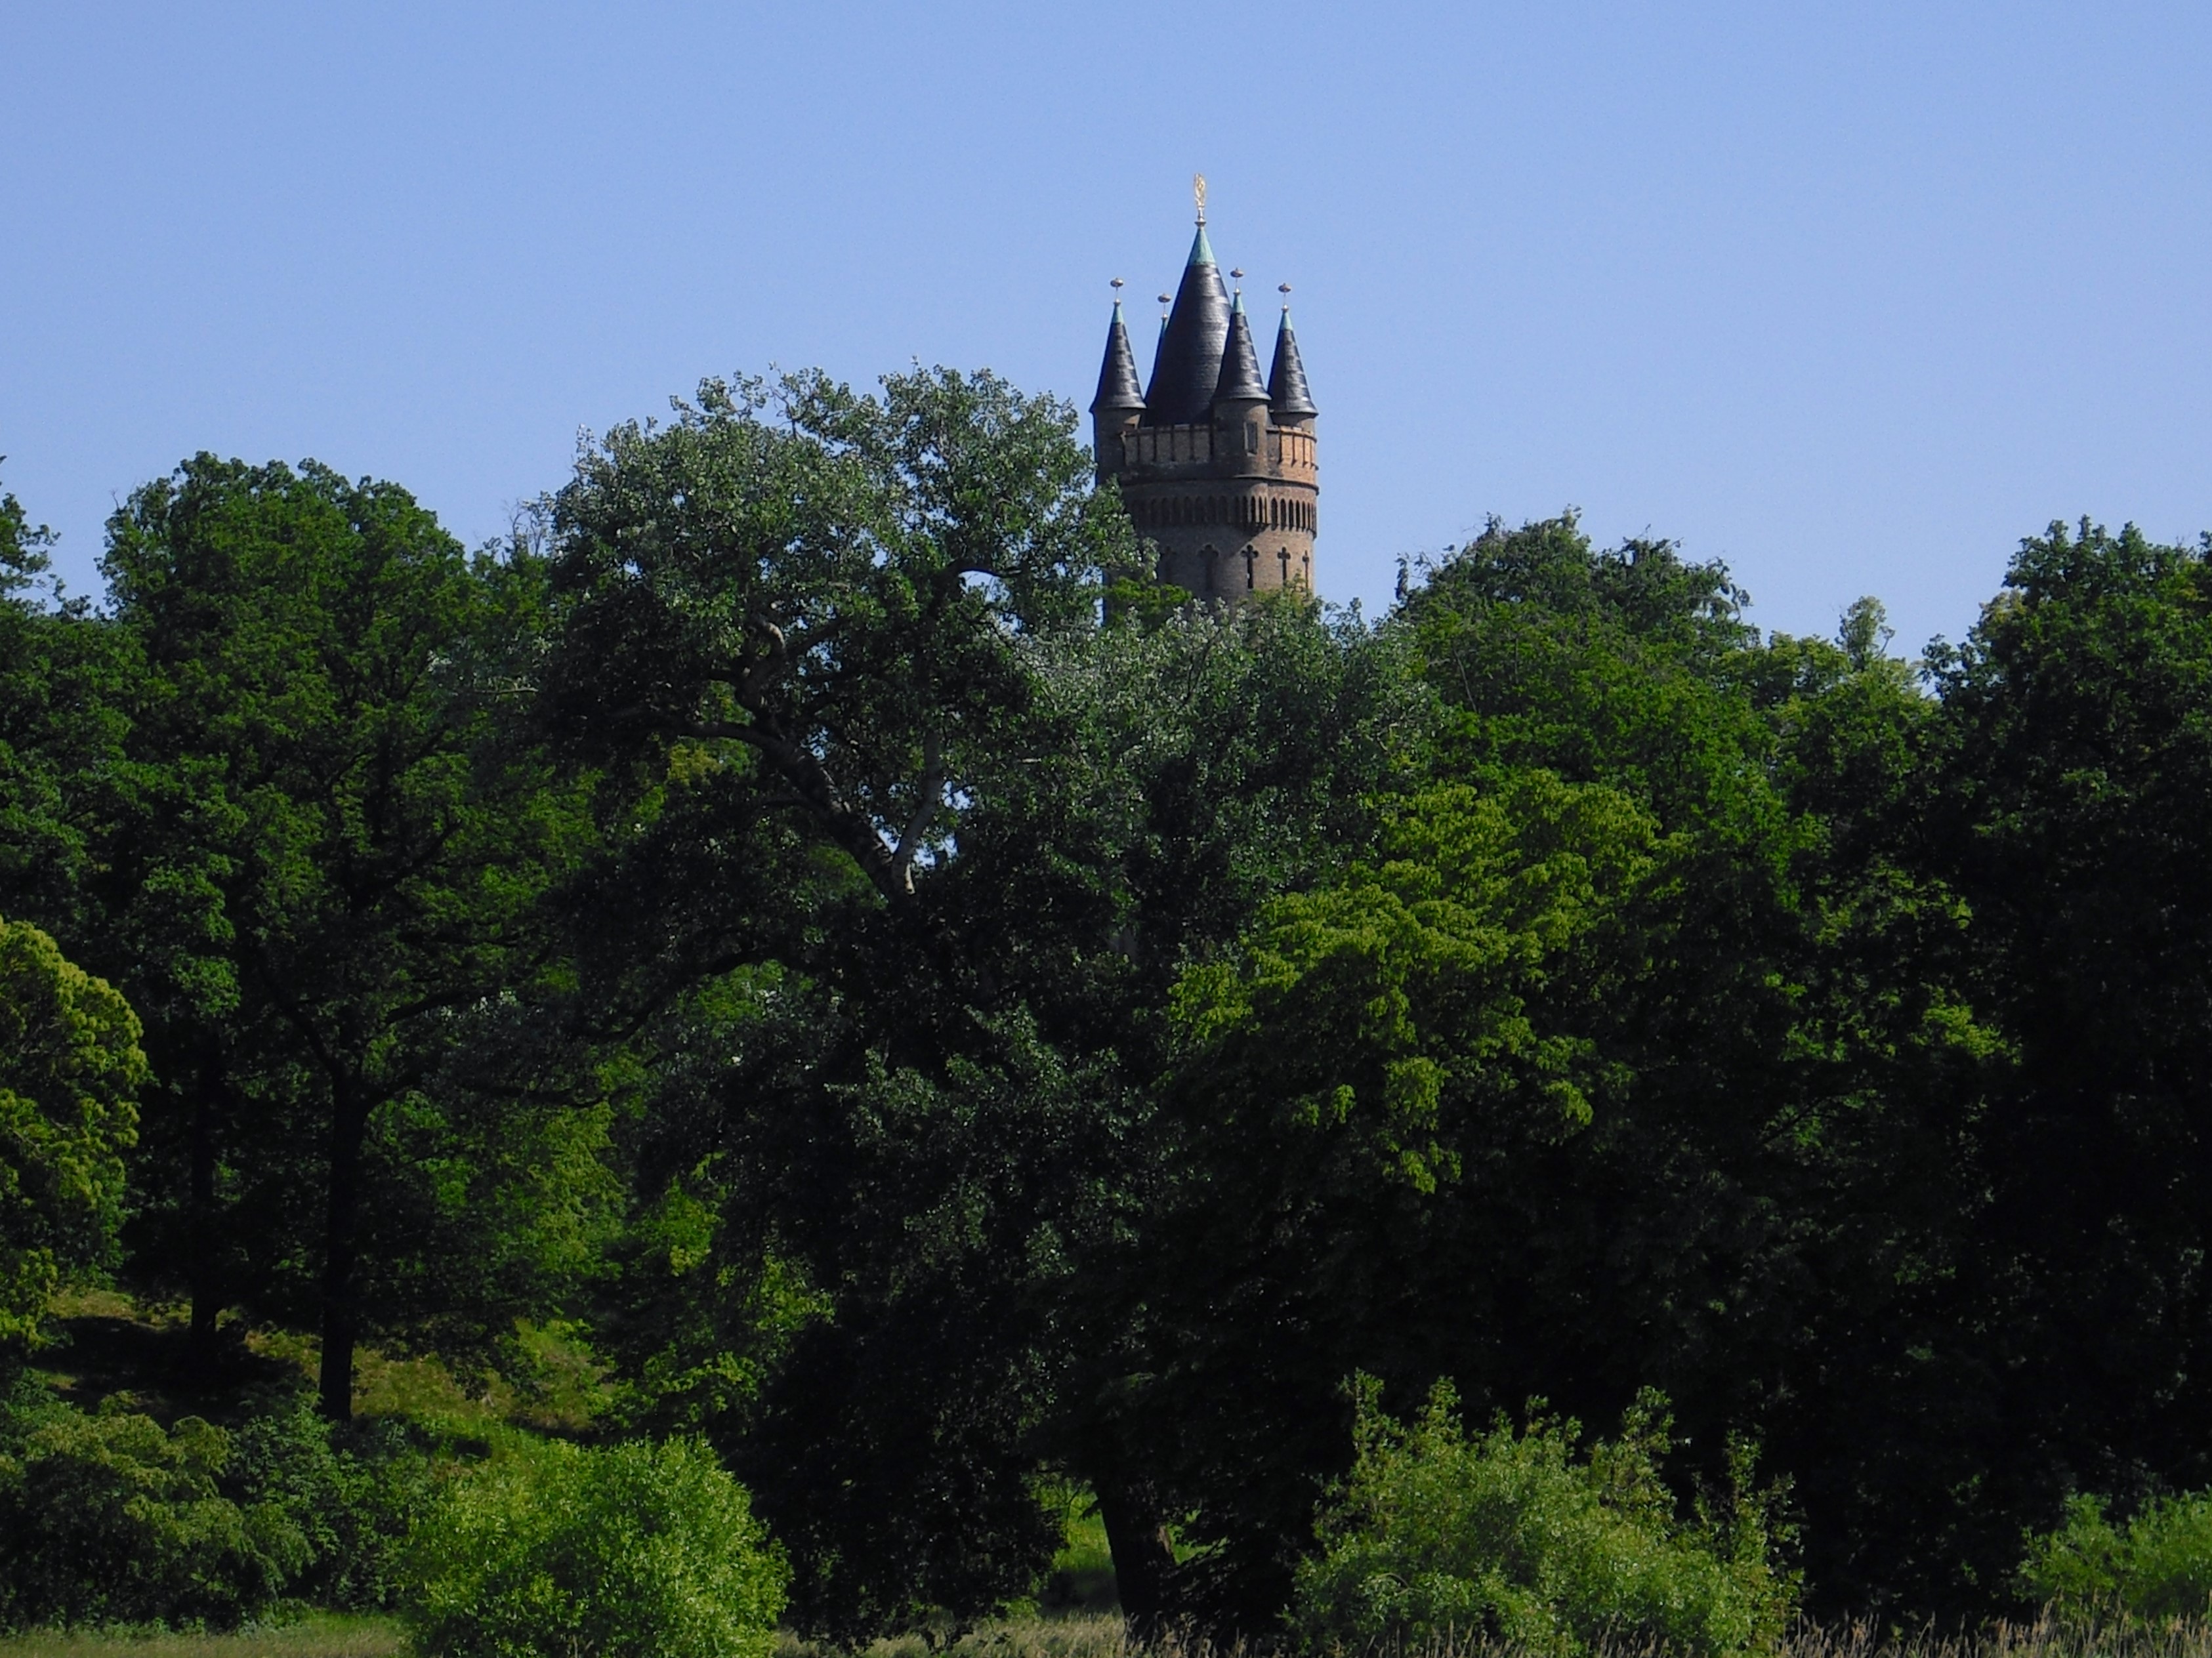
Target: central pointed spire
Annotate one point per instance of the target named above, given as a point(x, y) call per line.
point(1188, 363)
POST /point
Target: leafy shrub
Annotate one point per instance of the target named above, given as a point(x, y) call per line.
point(1513, 1537)
point(351, 1491)
point(111, 1518)
point(631, 1552)
point(2159, 1566)
point(70, 1071)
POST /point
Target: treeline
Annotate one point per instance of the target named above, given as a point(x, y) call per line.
point(805, 921)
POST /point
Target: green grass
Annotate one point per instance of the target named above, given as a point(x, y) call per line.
point(320, 1635)
point(1082, 1576)
point(108, 1344)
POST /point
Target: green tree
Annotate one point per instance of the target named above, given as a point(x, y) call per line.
point(60, 728)
point(1392, 1057)
point(917, 847)
point(70, 1072)
point(793, 622)
point(1710, 1143)
point(835, 590)
point(335, 796)
point(2075, 780)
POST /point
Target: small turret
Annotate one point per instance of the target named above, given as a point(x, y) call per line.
point(1286, 381)
point(1239, 380)
point(1119, 404)
point(1240, 400)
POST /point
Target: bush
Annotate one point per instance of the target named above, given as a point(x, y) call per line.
point(112, 1518)
point(351, 1491)
point(2157, 1566)
point(70, 1071)
point(632, 1552)
point(1514, 1538)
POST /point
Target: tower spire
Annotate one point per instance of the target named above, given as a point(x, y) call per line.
point(1188, 362)
point(1286, 379)
point(1239, 380)
point(1117, 373)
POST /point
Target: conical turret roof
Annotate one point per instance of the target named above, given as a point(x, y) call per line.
point(1188, 365)
point(1117, 374)
point(1286, 381)
point(1240, 363)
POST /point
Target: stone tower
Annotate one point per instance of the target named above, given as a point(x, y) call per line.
point(1216, 465)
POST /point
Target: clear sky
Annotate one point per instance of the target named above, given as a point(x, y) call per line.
point(1852, 296)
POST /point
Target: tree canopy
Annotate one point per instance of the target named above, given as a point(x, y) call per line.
point(70, 1072)
point(790, 924)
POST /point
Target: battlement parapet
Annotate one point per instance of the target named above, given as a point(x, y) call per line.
point(1168, 450)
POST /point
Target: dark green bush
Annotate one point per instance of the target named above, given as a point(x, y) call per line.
point(2158, 1565)
point(1517, 1538)
point(351, 1491)
point(637, 1551)
point(112, 1518)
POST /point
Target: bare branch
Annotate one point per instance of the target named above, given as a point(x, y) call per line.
point(930, 795)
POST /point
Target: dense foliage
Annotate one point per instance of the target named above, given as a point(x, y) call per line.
point(2155, 1567)
point(630, 1551)
point(788, 941)
point(70, 1070)
point(111, 1516)
point(1524, 1538)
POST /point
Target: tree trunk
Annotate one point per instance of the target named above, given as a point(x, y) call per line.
point(349, 1123)
point(1143, 1556)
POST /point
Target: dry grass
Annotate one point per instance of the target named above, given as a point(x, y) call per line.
point(2045, 1638)
point(319, 1637)
point(1099, 1635)
point(1077, 1635)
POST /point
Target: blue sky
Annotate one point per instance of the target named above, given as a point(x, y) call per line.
point(1851, 296)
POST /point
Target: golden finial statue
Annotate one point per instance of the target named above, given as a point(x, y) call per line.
point(1198, 194)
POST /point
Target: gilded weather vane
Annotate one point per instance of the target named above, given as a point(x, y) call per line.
point(1198, 194)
